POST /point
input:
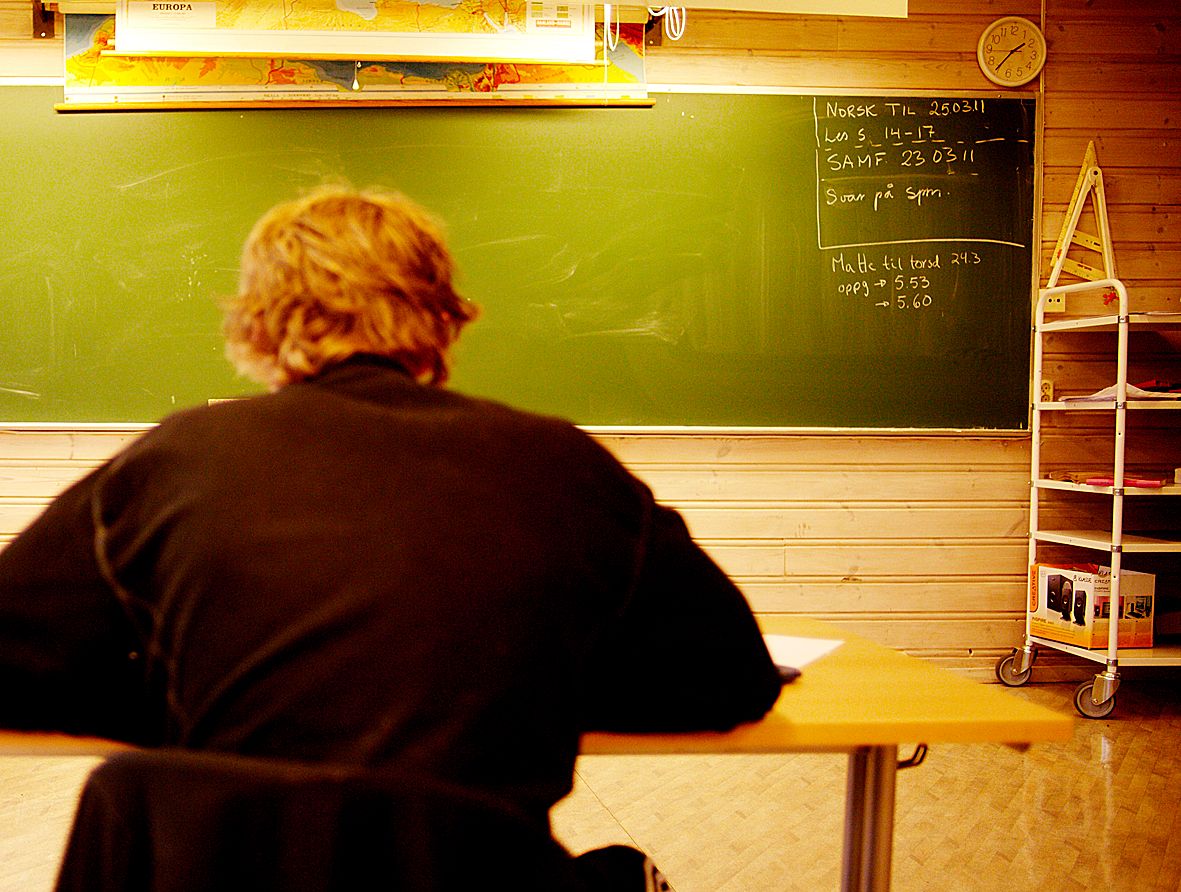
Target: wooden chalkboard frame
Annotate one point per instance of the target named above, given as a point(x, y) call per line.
point(186, 279)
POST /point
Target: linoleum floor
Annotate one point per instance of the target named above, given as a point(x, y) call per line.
point(1102, 812)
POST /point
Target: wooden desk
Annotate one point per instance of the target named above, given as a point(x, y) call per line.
point(863, 699)
point(866, 700)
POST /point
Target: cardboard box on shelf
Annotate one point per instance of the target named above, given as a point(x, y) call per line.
point(1072, 604)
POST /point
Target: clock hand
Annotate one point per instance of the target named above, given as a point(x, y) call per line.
point(1009, 53)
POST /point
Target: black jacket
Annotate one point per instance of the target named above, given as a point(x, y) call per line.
point(363, 570)
point(166, 820)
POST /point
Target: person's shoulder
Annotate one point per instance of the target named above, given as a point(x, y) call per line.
point(543, 438)
point(198, 425)
point(541, 427)
point(215, 414)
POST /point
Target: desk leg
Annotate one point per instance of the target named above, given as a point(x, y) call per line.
point(869, 819)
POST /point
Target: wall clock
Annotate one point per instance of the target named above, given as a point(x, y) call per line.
point(1011, 51)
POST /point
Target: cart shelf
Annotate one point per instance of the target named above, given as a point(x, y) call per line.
point(1155, 321)
point(1154, 543)
point(1172, 489)
point(1166, 653)
point(1096, 698)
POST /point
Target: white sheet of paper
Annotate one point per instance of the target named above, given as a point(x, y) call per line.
point(789, 650)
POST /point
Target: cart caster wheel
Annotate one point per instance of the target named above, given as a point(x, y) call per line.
point(1005, 674)
point(1086, 706)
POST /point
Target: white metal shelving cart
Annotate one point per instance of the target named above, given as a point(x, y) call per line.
point(1095, 698)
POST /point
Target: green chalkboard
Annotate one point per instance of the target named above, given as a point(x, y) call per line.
point(716, 260)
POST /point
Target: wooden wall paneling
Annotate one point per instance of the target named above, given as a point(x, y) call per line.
point(16, 513)
point(1109, 10)
point(934, 48)
point(1112, 78)
point(1134, 225)
point(16, 19)
point(1079, 373)
point(1129, 111)
point(1117, 149)
point(1148, 186)
point(81, 446)
point(822, 483)
point(825, 597)
point(753, 33)
point(1133, 263)
point(930, 28)
point(1105, 75)
point(1112, 38)
point(1149, 433)
point(23, 56)
point(921, 559)
point(36, 465)
point(807, 449)
point(809, 73)
point(37, 479)
point(747, 559)
point(922, 33)
point(967, 636)
point(857, 522)
point(1150, 295)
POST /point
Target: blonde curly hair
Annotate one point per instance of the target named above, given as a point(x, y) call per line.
point(340, 272)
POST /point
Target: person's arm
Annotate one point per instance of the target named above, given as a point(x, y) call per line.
point(686, 653)
point(68, 659)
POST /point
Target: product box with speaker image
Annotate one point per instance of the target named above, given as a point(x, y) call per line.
point(1072, 604)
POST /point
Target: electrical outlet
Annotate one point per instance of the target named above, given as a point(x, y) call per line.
point(1055, 303)
point(1047, 394)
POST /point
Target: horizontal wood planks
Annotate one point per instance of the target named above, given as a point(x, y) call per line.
point(925, 549)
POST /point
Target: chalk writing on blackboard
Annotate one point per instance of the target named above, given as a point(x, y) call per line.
point(900, 188)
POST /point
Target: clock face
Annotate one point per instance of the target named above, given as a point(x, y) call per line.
point(1011, 51)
